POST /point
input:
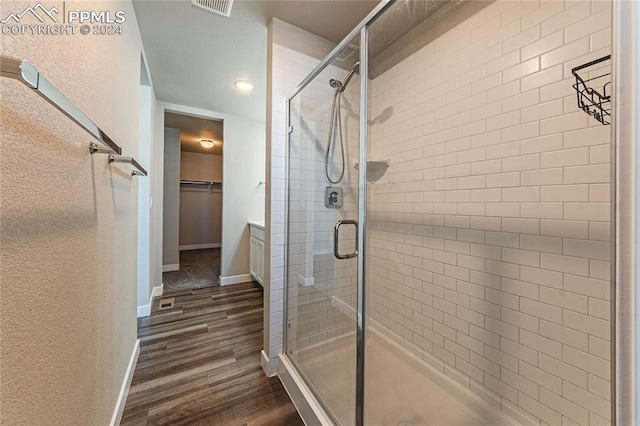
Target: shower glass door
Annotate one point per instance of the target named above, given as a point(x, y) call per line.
point(322, 243)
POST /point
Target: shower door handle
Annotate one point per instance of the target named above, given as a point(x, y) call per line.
point(336, 233)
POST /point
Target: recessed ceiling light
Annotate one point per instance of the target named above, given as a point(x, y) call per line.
point(244, 85)
point(207, 143)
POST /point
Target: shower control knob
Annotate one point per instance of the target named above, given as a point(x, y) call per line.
point(333, 197)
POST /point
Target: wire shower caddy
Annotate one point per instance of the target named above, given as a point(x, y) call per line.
point(594, 93)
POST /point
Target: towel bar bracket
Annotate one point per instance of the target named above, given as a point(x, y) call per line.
point(95, 148)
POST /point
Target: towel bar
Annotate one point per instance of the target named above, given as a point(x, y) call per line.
point(22, 71)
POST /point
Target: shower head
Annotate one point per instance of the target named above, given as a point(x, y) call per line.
point(354, 68)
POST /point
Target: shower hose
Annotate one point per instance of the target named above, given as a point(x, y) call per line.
point(336, 121)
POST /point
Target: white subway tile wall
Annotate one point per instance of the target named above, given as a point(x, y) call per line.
point(489, 232)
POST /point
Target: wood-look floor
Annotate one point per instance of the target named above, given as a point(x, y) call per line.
point(199, 363)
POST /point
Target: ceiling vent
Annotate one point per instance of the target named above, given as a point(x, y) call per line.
point(221, 7)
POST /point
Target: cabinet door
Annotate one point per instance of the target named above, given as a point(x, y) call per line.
point(260, 261)
point(253, 257)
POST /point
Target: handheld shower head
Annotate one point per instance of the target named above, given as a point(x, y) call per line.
point(354, 68)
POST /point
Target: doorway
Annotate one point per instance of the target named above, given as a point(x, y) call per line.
point(192, 202)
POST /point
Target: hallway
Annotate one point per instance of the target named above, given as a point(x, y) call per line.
point(199, 363)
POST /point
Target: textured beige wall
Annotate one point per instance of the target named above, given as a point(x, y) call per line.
point(68, 228)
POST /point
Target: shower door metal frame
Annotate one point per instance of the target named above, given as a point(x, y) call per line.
point(362, 229)
point(625, 208)
point(362, 30)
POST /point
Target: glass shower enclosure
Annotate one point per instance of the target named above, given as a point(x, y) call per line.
point(448, 219)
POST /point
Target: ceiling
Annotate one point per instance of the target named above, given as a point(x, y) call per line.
point(195, 55)
point(193, 130)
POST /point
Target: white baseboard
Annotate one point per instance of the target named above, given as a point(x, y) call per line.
point(199, 246)
point(145, 310)
point(157, 291)
point(270, 366)
point(169, 268)
point(126, 384)
point(235, 279)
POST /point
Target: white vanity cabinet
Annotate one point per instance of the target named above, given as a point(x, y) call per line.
point(256, 251)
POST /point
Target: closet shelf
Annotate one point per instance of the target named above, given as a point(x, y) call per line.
point(210, 184)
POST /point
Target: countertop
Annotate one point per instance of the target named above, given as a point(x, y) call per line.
point(257, 223)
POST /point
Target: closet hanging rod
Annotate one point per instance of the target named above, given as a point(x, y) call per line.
point(22, 71)
point(129, 160)
point(199, 182)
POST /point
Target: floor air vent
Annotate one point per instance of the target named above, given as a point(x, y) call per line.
point(221, 7)
point(166, 303)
